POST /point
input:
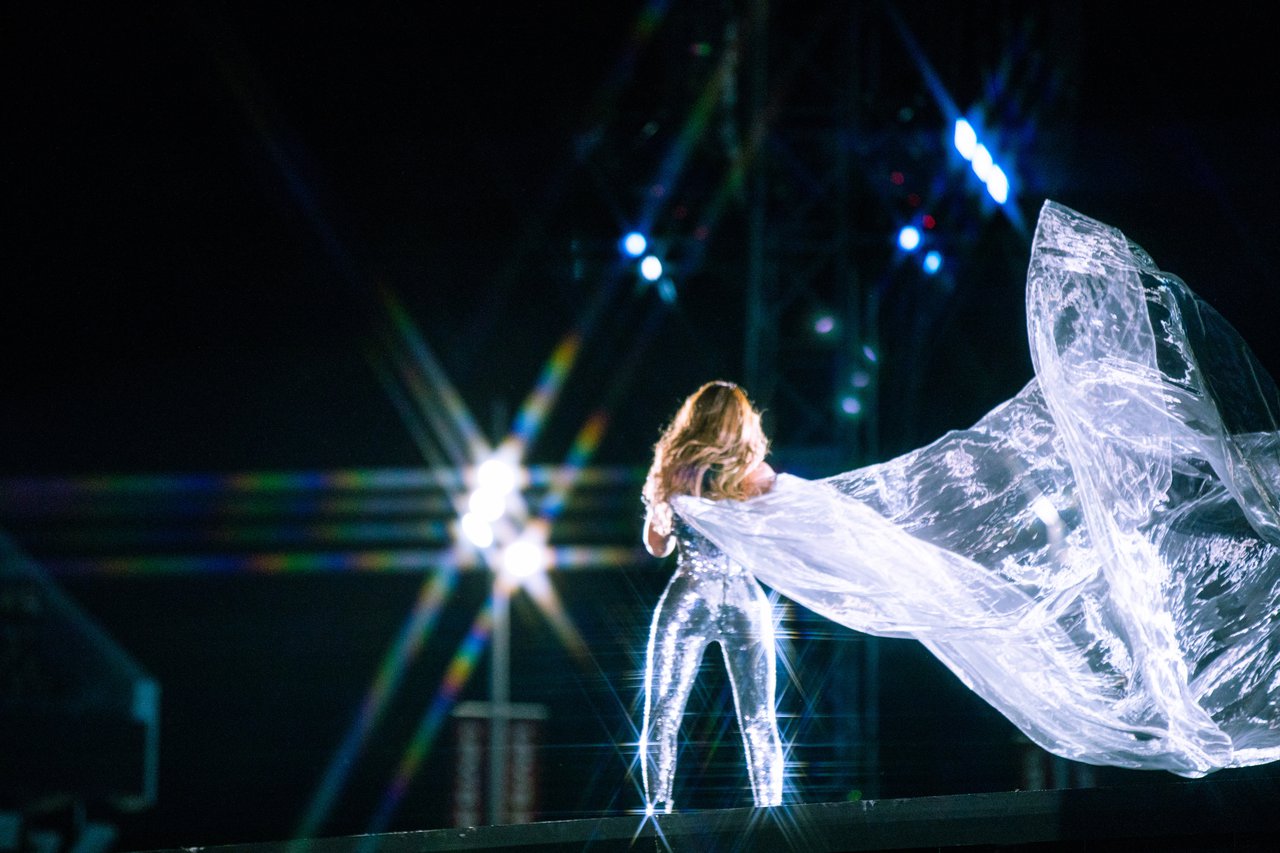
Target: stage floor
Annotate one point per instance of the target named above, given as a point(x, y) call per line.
point(1202, 815)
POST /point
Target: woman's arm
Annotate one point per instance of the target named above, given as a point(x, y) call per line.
point(655, 542)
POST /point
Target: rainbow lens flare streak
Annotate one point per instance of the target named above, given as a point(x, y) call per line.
point(536, 408)
point(584, 446)
point(431, 598)
point(409, 415)
point(694, 127)
point(526, 428)
point(456, 676)
point(642, 31)
point(414, 560)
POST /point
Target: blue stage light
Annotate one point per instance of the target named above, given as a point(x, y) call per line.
point(998, 184)
point(634, 244)
point(909, 238)
point(966, 139)
point(932, 262)
point(851, 405)
point(980, 158)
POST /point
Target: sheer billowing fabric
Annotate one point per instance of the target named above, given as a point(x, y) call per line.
point(1098, 557)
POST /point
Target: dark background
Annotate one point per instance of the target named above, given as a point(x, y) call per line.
point(204, 200)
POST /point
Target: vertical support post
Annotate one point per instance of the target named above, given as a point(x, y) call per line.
point(499, 698)
point(759, 349)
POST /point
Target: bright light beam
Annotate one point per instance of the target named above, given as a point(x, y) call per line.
point(964, 135)
point(434, 394)
point(538, 404)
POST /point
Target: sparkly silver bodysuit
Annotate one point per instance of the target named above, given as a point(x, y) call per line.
point(709, 599)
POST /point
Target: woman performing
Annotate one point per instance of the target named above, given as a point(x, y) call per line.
point(714, 449)
point(1098, 557)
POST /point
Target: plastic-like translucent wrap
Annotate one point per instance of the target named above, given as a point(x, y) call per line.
point(1098, 557)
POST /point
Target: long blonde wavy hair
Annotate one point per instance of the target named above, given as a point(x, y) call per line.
point(714, 437)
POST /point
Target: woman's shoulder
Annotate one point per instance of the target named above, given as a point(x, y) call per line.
point(761, 478)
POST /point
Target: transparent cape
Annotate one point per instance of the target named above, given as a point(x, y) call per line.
point(1098, 557)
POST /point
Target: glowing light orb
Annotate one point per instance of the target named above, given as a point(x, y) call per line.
point(524, 558)
point(966, 139)
point(851, 406)
point(909, 238)
point(496, 475)
point(997, 184)
point(824, 325)
point(477, 530)
point(983, 163)
point(651, 268)
point(487, 504)
point(634, 244)
point(932, 262)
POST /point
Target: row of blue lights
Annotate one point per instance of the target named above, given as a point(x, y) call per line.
point(979, 156)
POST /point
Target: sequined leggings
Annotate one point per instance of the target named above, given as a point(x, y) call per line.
point(699, 607)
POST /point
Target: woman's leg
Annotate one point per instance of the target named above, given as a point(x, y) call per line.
point(750, 658)
point(677, 639)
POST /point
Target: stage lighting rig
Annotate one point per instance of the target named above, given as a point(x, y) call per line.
point(971, 148)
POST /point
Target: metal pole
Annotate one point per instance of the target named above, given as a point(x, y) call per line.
point(500, 699)
point(759, 354)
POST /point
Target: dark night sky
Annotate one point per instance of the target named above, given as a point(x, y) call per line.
point(204, 198)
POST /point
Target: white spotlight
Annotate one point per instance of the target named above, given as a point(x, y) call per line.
point(966, 140)
point(634, 244)
point(477, 530)
point(982, 163)
point(495, 475)
point(909, 238)
point(487, 504)
point(651, 268)
point(997, 184)
point(524, 558)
